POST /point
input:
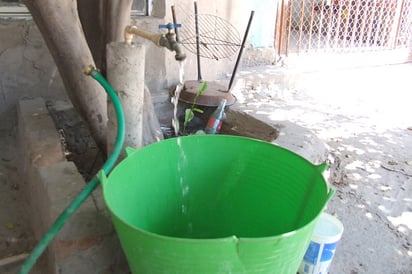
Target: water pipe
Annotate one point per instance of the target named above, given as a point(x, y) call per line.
point(107, 167)
point(167, 40)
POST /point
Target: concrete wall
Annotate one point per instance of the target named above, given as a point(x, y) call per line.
point(26, 67)
point(28, 70)
point(87, 243)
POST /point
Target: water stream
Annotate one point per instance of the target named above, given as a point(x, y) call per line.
point(185, 227)
point(175, 97)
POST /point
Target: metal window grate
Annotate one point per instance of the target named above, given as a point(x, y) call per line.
point(345, 26)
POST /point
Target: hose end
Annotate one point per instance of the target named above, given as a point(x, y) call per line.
point(128, 34)
point(89, 69)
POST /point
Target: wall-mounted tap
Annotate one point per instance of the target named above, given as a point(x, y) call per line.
point(167, 40)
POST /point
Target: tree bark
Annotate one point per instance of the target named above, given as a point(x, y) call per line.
point(76, 37)
point(92, 14)
point(59, 23)
point(118, 17)
point(103, 22)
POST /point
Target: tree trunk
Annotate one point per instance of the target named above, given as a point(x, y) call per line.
point(92, 14)
point(59, 23)
point(76, 37)
point(118, 17)
point(103, 22)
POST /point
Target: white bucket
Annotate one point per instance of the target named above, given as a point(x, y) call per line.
point(325, 238)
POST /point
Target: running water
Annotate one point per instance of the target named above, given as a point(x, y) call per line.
point(175, 98)
point(185, 229)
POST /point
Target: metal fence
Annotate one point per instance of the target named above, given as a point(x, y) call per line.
point(338, 26)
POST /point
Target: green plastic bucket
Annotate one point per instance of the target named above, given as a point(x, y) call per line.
point(215, 204)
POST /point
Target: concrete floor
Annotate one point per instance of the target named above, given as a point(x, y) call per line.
point(363, 115)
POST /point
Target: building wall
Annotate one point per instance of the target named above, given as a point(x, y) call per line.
point(259, 45)
point(28, 70)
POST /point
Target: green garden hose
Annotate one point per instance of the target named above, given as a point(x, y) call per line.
point(107, 167)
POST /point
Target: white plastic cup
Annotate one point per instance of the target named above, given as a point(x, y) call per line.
point(319, 255)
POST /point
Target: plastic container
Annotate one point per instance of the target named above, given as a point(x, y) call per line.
point(319, 255)
point(215, 204)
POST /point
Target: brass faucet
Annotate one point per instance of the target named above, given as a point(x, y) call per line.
point(167, 40)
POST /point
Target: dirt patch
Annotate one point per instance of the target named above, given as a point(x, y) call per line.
point(78, 145)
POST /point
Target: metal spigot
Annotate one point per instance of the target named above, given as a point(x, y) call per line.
point(167, 40)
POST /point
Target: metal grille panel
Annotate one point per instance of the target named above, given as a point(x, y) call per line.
point(345, 26)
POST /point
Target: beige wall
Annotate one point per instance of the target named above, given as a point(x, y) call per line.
point(234, 12)
point(161, 67)
point(27, 69)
